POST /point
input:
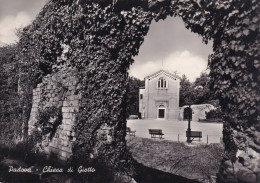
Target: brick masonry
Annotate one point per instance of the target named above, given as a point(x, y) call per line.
point(58, 89)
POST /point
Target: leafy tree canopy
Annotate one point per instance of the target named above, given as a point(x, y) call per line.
point(133, 95)
point(197, 92)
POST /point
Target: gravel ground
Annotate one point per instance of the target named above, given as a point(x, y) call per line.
point(172, 129)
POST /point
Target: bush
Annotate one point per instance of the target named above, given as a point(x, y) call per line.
point(214, 114)
point(10, 108)
point(23, 150)
point(48, 120)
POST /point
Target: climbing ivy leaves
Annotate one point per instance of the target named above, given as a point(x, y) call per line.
point(99, 40)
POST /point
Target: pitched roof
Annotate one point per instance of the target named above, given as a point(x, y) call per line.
point(167, 73)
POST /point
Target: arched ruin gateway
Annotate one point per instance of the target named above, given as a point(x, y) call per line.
point(73, 69)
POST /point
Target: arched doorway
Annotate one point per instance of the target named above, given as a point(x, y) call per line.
point(187, 113)
point(161, 112)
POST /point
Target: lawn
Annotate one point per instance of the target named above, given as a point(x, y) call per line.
point(196, 162)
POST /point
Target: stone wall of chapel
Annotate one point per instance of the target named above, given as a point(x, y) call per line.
point(153, 95)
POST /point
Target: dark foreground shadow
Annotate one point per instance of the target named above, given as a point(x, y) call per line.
point(150, 175)
point(143, 175)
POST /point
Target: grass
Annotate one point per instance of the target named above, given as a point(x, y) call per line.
point(160, 161)
point(199, 162)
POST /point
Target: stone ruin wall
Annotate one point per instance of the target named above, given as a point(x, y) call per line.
point(198, 111)
point(50, 90)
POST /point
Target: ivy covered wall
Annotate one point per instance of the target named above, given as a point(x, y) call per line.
point(234, 70)
point(99, 38)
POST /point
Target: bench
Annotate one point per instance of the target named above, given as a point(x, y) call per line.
point(156, 133)
point(130, 132)
point(194, 134)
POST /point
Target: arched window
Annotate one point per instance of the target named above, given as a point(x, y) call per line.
point(162, 83)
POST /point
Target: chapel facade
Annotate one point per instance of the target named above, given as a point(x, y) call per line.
point(159, 99)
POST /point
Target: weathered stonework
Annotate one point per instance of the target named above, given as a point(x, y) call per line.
point(59, 90)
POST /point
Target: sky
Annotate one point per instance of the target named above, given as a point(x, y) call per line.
point(15, 14)
point(168, 44)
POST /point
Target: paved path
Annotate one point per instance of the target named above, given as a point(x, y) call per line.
point(171, 129)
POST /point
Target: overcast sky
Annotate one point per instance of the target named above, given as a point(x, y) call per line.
point(168, 45)
point(15, 14)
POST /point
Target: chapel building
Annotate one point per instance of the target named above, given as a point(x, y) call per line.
point(159, 99)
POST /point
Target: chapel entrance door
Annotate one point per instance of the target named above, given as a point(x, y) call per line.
point(161, 113)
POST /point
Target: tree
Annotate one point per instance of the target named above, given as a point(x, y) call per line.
point(197, 92)
point(202, 90)
point(133, 95)
point(185, 87)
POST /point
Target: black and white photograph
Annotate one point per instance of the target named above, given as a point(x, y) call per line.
point(129, 91)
